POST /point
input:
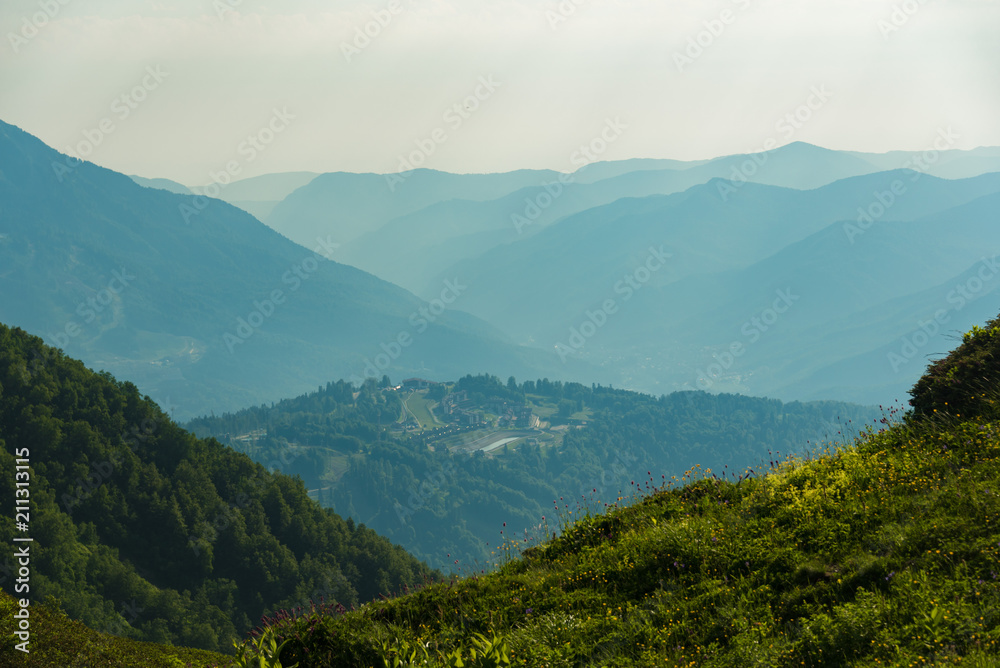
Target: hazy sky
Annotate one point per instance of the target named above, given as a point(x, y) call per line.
point(879, 76)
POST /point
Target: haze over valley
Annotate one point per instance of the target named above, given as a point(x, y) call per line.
point(570, 333)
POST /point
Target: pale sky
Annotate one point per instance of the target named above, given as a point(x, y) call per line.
point(895, 73)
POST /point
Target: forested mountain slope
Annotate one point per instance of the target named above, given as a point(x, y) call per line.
point(448, 505)
point(143, 528)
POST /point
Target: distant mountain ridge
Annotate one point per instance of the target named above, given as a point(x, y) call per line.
point(545, 262)
point(845, 248)
point(345, 205)
point(162, 184)
point(404, 243)
point(258, 195)
point(216, 311)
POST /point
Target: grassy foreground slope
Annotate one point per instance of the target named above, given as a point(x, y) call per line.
point(884, 552)
point(70, 644)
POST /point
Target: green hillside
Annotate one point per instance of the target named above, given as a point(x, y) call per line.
point(148, 532)
point(446, 502)
point(69, 644)
point(882, 552)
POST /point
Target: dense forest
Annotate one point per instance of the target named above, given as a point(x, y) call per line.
point(884, 551)
point(145, 530)
point(450, 508)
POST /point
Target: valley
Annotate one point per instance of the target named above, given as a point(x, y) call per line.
point(508, 449)
point(487, 334)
